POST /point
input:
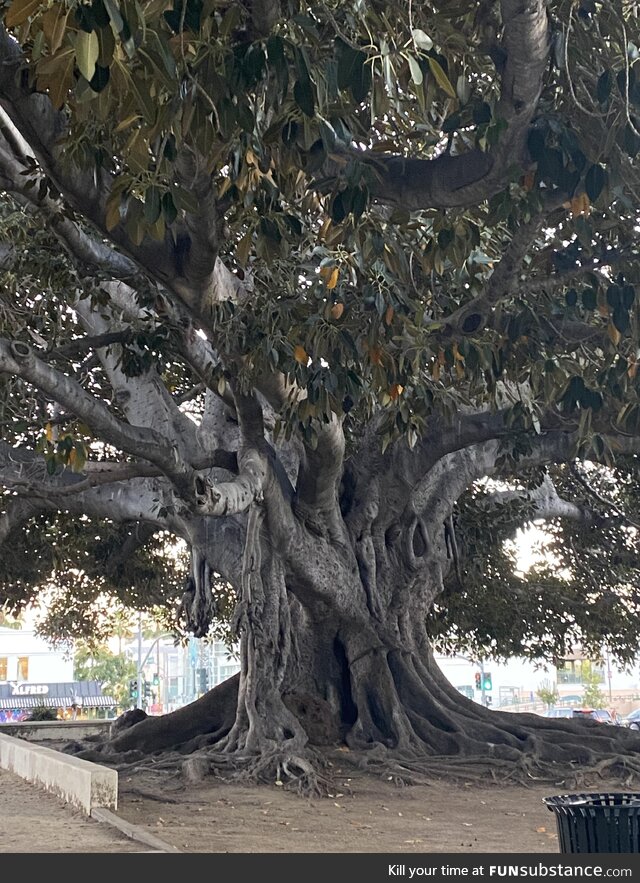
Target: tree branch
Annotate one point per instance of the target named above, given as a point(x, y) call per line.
point(608, 504)
point(547, 503)
point(472, 177)
point(472, 317)
point(18, 358)
point(17, 512)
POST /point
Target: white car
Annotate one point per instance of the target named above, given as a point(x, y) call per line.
point(631, 720)
point(558, 711)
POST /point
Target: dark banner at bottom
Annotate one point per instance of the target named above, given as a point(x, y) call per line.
point(347, 867)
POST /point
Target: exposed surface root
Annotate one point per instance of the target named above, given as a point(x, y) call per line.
point(436, 735)
point(525, 770)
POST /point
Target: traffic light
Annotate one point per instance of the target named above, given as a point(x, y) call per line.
point(156, 679)
point(478, 681)
point(147, 690)
point(133, 688)
point(486, 680)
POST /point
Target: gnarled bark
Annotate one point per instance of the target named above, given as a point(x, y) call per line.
point(335, 652)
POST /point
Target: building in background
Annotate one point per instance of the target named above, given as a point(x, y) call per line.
point(514, 684)
point(72, 700)
point(34, 673)
point(26, 657)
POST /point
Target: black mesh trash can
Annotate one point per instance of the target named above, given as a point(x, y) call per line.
point(597, 822)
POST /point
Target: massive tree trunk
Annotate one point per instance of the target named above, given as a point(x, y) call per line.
point(335, 651)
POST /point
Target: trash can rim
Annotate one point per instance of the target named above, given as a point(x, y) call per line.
point(617, 799)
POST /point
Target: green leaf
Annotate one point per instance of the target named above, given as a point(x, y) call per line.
point(416, 70)
point(304, 97)
point(146, 105)
point(152, 205)
point(169, 210)
point(589, 299)
point(184, 199)
point(628, 296)
point(107, 44)
point(620, 319)
point(614, 295)
point(352, 72)
point(441, 78)
point(422, 40)
point(595, 181)
point(87, 51)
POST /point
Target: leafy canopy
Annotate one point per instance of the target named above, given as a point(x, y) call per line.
point(376, 308)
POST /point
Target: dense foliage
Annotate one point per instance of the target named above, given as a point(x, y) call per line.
point(375, 296)
point(341, 295)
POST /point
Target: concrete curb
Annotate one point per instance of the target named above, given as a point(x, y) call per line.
point(79, 782)
point(86, 785)
point(132, 831)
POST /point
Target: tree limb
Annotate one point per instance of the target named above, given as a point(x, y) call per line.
point(474, 176)
point(19, 359)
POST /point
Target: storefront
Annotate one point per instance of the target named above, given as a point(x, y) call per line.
point(74, 700)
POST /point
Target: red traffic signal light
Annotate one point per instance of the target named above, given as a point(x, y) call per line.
point(478, 680)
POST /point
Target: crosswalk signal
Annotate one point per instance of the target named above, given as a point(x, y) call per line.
point(133, 688)
point(486, 681)
point(478, 680)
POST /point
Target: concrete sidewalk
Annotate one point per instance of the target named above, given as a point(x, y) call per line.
point(79, 786)
point(33, 820)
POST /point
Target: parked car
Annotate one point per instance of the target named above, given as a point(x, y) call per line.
point(599, 714)
point(558, 711)
point(631, 720)
point(574, 699)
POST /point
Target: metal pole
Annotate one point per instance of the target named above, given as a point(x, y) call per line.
point(482, 692)
point(139, 696)
point(159, 694)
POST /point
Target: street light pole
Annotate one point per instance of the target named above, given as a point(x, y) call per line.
point(139, 692)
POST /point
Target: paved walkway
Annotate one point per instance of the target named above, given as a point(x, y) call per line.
point(32, 820)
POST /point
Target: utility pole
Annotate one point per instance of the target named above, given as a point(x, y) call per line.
point(608, 664)
point(139, 696)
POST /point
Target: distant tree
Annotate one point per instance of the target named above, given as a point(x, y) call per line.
point(593, 695)
point(548, 693)
point(112, 670)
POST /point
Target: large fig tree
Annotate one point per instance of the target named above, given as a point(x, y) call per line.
point(336, 293)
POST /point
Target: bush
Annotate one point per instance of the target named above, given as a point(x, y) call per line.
point(42, 713)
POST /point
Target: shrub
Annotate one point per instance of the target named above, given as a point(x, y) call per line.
point(42, 713)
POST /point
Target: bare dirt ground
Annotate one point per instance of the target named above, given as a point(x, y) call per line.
point(364, 814)
point(33, 820)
